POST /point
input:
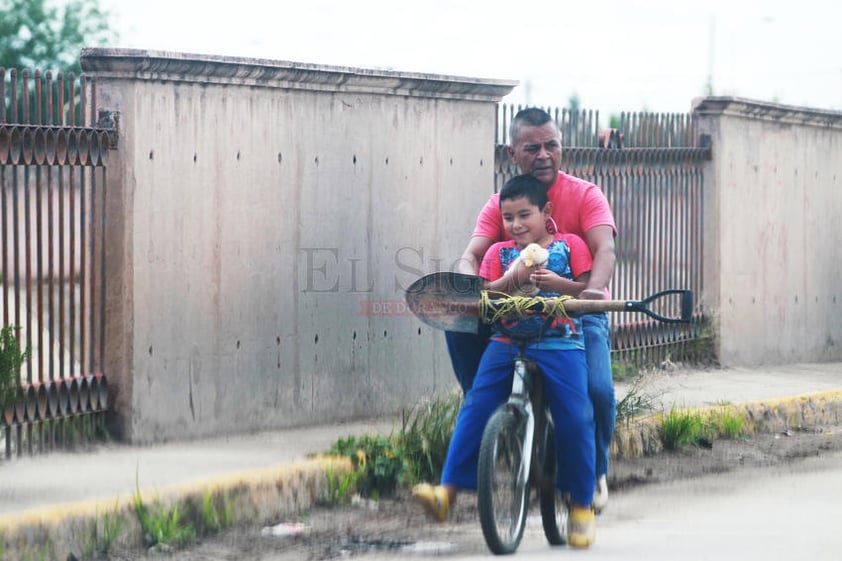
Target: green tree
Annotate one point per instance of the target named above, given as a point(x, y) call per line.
point(45, 35)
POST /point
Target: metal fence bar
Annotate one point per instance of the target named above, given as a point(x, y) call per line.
point(654, 186)
point(52, 224)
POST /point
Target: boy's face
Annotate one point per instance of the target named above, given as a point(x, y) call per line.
point(524, 221)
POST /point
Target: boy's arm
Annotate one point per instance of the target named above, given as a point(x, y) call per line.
point(549, 281)
point(499, 280)
point(513, 282)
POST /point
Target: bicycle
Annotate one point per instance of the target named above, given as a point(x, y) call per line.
point(512, 461)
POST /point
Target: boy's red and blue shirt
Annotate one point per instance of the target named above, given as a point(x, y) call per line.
point(569, 257)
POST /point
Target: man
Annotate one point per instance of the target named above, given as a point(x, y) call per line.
point(580, 208)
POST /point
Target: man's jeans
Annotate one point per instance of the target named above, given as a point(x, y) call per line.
point(466, 351)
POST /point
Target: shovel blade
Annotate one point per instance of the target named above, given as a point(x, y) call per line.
point(446, 301)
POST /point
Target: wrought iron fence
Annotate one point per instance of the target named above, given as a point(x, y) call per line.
point(52, 200)
point(653, 180)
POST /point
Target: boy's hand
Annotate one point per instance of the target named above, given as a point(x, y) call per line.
point(544, 279)
point(521, 279)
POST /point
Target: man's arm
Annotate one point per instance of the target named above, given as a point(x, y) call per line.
point(600, 240)
point(473, 254)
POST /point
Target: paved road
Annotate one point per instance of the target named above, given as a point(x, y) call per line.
point(787, 512)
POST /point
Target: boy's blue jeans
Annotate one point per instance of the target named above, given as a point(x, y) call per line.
point(567, 396)
point(466, 350)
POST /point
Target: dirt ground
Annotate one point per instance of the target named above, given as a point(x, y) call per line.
point(380, 530)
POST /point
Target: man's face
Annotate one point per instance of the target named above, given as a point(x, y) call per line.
point(537, 151)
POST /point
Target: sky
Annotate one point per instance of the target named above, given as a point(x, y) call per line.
point(613, 55)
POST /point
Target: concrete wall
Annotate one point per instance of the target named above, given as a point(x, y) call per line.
point(264, 219)
point(773, 225)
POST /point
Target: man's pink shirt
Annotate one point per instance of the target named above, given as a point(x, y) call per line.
point(578, 206)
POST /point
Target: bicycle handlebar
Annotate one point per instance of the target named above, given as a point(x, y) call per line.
point(512, 307)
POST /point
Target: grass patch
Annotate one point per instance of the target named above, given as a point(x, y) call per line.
point(378, 468)
point(681, 427)
point(340, 488)
point(12, 357)
point(382, 465)
point(101, 534)
point(635, 403)
point(163, 527)
point(425, 436)
point(701, 350)
point(217, 512)
point(622, 370)
point(728, 423)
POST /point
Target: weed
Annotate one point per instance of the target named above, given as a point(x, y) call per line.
point(425, 436)
point(340, 488)
point(728, 422)
point(415, 453)
point(11, 360)
point(210, 516)
point(621, 371)
point(378, 468)
point(212, 519)
point(163, 526)
point(227, 511)
point(682, 427)
point(634, 404)
point(101, 534)
point(702, 349)
point(44, 553)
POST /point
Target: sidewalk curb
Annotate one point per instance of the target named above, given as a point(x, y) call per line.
point(641, 437)
point(263, 495)
point(285, 490)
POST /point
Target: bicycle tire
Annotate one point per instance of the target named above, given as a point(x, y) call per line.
point(553, 506)
point(502, 496)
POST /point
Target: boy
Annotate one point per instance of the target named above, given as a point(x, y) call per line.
point(560, 354)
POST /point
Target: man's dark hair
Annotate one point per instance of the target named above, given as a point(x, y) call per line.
point(525, 185)
point(530, 117)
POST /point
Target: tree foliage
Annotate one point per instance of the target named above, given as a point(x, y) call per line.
point(48, 35)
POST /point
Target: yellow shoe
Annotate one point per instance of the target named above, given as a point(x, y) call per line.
point(434, 499)
point(581, 527)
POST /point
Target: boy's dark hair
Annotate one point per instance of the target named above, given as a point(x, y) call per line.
point(530, 117)
point(525, 186)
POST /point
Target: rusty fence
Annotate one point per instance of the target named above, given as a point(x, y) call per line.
point(52, 200)
point(652, 177)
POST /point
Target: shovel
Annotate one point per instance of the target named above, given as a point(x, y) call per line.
point(450, 302)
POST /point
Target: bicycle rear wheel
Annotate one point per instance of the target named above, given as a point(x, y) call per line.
point(502, 483)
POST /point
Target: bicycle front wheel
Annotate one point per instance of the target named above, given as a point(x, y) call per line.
point(502, 482)
point(553, 505)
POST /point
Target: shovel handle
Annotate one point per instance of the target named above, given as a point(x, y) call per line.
point(496, 303)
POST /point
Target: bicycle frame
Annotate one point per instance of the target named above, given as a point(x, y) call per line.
point(530, 422)
point(527, 395)
point(520, 398)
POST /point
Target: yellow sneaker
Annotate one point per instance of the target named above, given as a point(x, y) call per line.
point(581, 527)
point(434, 499)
